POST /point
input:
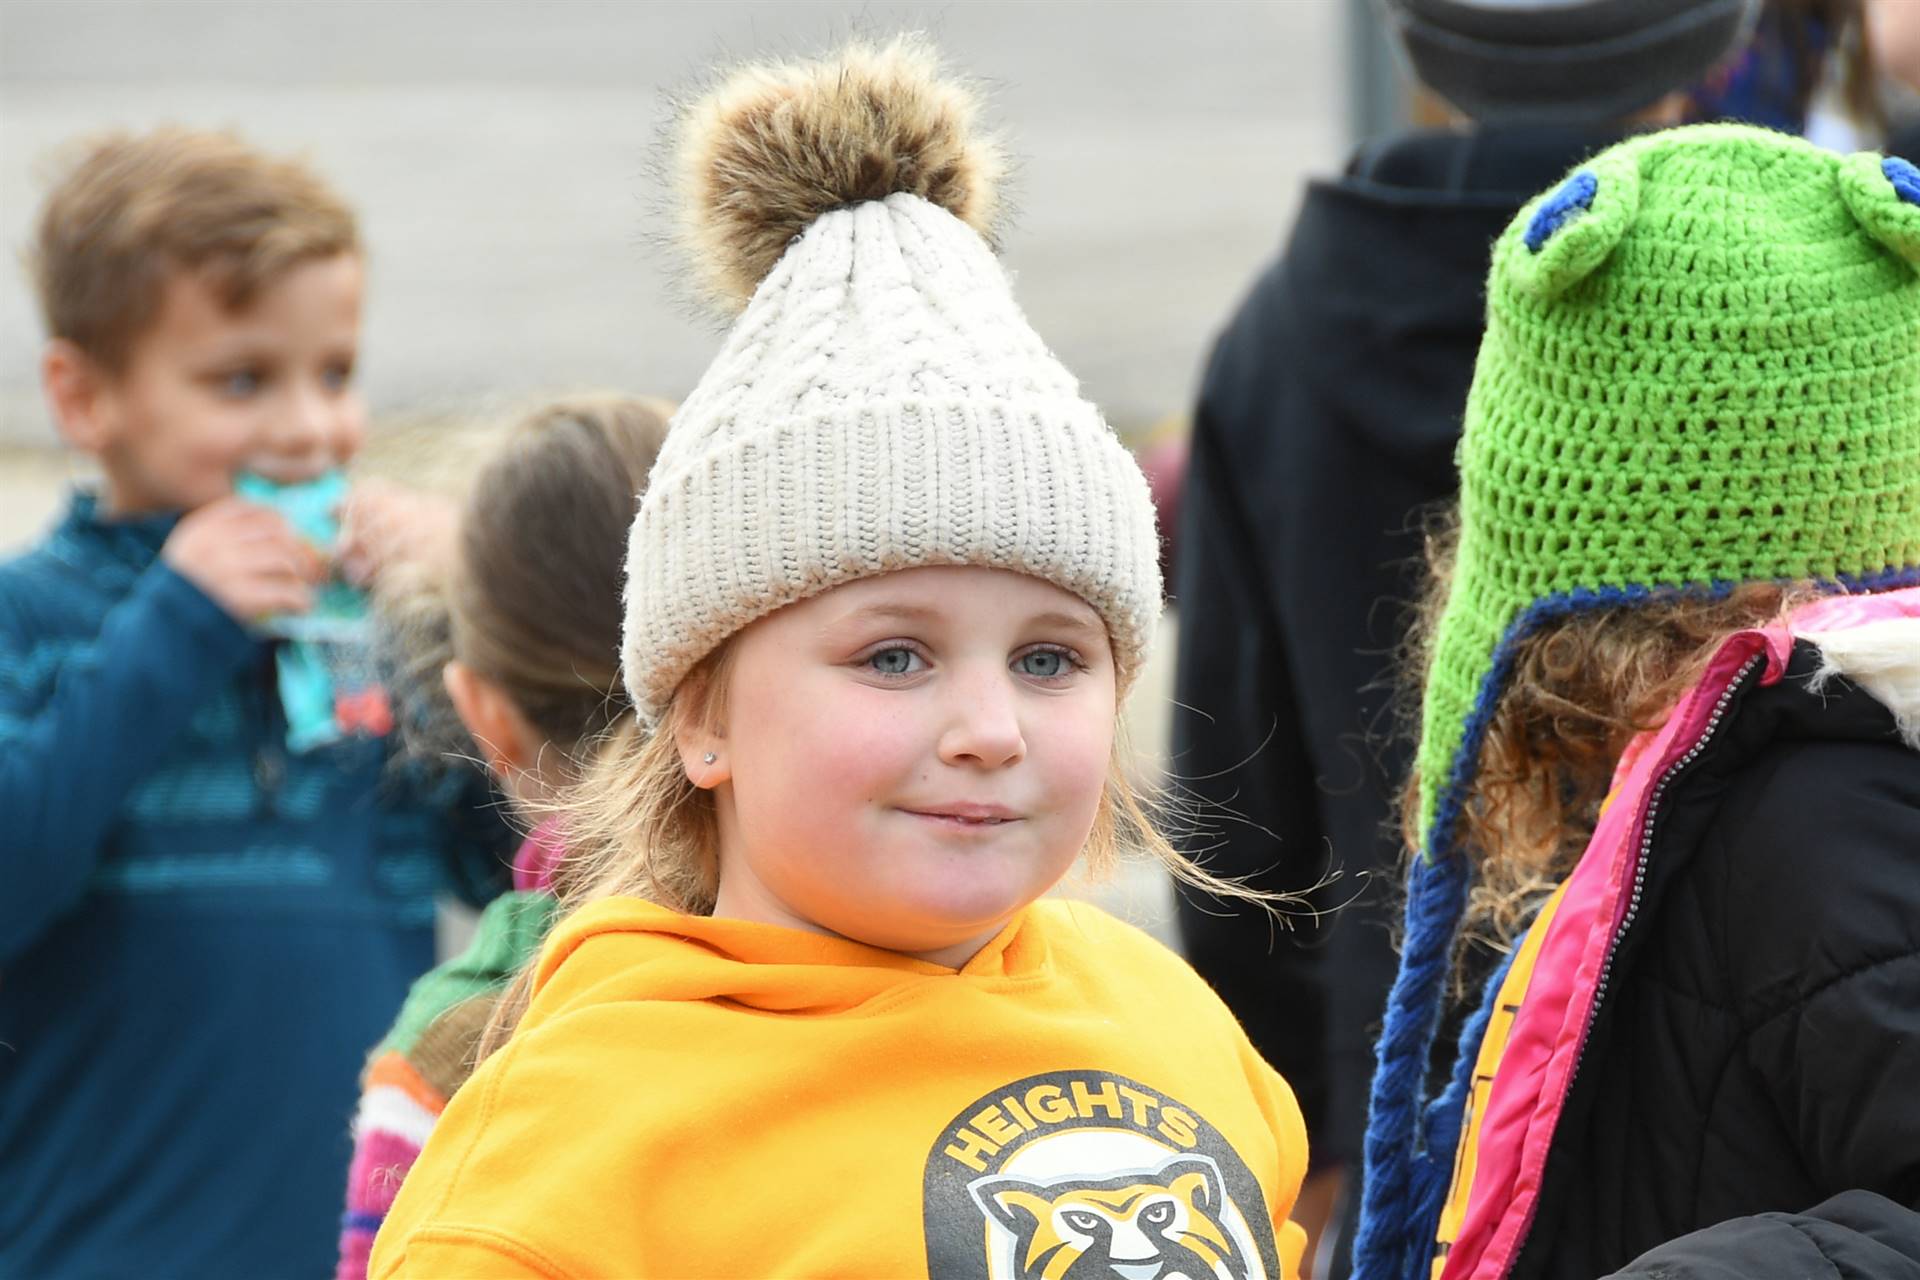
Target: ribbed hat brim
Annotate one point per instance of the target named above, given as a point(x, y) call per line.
point(1558, 63)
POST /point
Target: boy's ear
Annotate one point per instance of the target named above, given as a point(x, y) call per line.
point(77, 391)
point(509, 744)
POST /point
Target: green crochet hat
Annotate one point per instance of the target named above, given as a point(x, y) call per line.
point(1701, 368)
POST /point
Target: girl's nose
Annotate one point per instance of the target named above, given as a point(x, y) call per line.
point(983, 726)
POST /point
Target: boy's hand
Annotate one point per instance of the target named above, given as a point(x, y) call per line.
point(246, 558)
point(383, 524)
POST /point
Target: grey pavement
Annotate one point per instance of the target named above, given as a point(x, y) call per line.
point(501, 151)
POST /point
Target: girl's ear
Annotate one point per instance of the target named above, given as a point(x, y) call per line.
point(698, 735)
point(703, 754)
point(1883, 194)
point(509, 744)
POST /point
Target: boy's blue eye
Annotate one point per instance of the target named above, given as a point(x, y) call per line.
point(239, 383)
point(894, 662)
point(337, 377)
point(1574, 198)
point(1043, 664)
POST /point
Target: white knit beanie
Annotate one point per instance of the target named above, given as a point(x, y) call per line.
point(880, 403)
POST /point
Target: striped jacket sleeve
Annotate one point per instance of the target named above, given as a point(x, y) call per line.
point(84, 719)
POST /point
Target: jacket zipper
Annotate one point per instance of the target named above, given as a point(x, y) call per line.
point(1658, 793)
point(269, 749)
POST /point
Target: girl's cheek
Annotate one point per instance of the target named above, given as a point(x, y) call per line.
point(834, 742)
point(868, 750)
point(1079, 758)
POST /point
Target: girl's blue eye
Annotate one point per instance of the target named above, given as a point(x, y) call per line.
point(1043, 664)
point(240, 383)
point(894, 662)
point(337, 377)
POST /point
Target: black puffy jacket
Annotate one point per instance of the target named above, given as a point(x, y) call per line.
point(1748, 1101)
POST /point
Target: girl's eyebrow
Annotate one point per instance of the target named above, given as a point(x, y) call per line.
point(890, 613)
point(1052, 620)
point(1086, 626)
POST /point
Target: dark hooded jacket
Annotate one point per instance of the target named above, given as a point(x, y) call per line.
point(1326, 424)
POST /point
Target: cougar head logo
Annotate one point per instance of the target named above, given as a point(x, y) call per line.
point(1159, 1224)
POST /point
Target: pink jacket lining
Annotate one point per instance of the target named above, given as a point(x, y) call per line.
point(1550, 1029)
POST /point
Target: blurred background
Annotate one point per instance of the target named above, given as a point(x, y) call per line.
point(501, 156)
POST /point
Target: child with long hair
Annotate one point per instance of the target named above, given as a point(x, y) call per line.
point(805, 1013)
point(512, 649)
point(1670, 756)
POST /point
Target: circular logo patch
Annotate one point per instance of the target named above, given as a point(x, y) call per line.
point(1088, 1174)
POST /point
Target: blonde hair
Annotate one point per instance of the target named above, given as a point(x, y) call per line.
point(133, 209)
point(637, 826)
point(1580, 688)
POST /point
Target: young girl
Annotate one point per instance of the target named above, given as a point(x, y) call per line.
point(889, 583)
point(518, 642)
point(1671, 715)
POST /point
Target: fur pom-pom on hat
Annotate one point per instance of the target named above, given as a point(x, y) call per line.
point(880, 403)
point(775, 145)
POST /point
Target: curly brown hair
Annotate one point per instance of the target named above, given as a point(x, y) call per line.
point(1580, 688)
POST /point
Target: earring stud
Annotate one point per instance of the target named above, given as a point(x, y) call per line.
point(710, 757)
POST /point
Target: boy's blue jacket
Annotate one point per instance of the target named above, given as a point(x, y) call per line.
point(200, 934)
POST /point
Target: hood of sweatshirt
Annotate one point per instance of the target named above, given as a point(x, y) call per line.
point(1382, 289)
point(629, 949)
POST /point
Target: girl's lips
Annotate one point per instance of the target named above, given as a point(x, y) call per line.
point(967, 815)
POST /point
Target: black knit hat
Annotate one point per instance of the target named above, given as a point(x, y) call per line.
point(1507, 61)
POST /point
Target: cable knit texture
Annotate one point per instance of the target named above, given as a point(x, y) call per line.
point(880, 404)
point(1701, 367)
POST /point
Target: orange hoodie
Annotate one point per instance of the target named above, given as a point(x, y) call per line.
point(699, 1097)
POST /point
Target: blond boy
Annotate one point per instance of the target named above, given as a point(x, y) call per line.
point(200, 929)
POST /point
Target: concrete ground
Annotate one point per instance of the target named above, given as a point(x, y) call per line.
point(500, 153)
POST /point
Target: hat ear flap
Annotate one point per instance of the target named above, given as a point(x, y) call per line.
point(1562, 237)
point(1883, 194)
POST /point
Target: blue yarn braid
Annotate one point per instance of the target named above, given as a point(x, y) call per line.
point(1436, 899)
point(1446, 1114)
point(1395, 1237)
